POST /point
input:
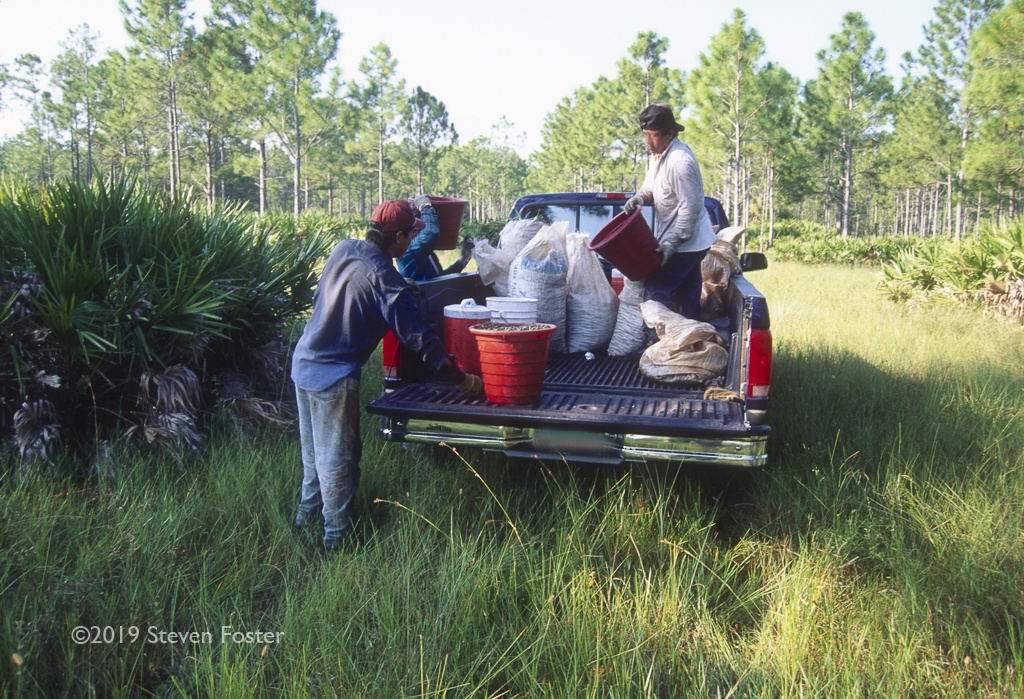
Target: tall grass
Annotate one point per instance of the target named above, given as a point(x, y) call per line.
point(880, 554)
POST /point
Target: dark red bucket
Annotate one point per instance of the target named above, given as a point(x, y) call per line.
point(513, 360)
point(450, 211)
point(627, 242)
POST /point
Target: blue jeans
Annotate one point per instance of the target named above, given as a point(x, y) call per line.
point(677, 284)
point(331, 448)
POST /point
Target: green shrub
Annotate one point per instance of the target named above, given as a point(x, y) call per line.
point(798, 228)
point(980, 267)
point(483, 230)
point(126, 313)
point(316, 223)
point(814, 246)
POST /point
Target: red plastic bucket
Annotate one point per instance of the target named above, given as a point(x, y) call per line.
point(627, 242)
point(449, 219)
point(457, 339)
point(513, 360)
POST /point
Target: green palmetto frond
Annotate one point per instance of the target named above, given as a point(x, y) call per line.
point(126, 282)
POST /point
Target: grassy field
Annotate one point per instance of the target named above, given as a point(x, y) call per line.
point(880, 555)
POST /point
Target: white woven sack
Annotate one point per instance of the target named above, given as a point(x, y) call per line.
point(493, 265)
point(516, 235)
point(592, 304)
point(687, 351)
point(628, 337)
point(539, 271)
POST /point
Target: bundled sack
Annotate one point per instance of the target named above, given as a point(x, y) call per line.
point(628, 337)
point(687, 351)
point(493, 264)
point(592, 304)
point(516, 235)
point(716, 270)
point(539, 271)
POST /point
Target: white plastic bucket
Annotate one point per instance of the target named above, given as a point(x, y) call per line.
point(512, 309)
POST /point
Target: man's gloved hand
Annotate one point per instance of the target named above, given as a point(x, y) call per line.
point(471, 384)
point(664, 252)
point(421, 202)
point(466, 253)
point(632, 203)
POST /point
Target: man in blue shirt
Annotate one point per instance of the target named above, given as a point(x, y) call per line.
point(359, 298)
point(420, 263)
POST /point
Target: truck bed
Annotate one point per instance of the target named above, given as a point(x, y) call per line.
point(606, 393)
point(601, 410)
point(598, 410)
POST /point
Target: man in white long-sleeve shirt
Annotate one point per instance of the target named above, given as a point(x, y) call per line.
point(676, 189)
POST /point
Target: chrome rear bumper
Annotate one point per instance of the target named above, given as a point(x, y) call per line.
point(562, 444)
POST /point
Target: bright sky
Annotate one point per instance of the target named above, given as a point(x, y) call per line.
point(488, 60)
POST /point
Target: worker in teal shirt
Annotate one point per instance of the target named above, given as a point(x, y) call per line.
point(420, 262)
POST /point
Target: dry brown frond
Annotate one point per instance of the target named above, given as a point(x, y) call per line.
point(36, 432)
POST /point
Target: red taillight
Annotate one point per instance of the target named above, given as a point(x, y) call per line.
point(391, 353)
point(759, 367)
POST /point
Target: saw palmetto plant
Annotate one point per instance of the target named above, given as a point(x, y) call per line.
point(120, 307)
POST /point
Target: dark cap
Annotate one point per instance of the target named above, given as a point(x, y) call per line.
point(659, 117)
point(396, 215)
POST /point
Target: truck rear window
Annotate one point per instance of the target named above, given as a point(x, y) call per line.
point(584, 218)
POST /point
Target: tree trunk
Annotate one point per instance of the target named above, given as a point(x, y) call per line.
point(263, 176)
point(771, 203)
point(210, 154)
point(330, 194)
point(297, 169)
point(380, 156)
point(847, 186)
point(170, 140)
point(949, 204)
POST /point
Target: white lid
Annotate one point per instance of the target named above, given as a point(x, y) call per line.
point(467, 310)
point(505, 301)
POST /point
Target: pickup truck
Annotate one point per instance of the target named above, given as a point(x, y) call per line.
point(599, 408)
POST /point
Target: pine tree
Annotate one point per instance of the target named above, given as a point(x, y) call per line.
point(294, 43)
point(997, 91)
point(936, 120)
point(846, 109)
point(426, 127)
point(161, 41)
point(727, 92)
point(383, 97)
point(74, 74)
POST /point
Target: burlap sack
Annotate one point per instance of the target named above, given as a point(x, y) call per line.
point(687, 350)
point(716, 271)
